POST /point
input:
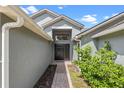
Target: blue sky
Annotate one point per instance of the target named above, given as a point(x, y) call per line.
point(89, 15)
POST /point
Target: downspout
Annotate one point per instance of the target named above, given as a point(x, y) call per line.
point(5, 49)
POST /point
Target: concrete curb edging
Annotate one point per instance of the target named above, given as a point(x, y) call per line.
point(68, 76)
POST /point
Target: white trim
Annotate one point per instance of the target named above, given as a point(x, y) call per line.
point(110, 31)
point(5, 49)
point(62, 42)
point(62, 17)
point(100, 25)
point(14, 11)
point(5, 58)
point(63, 27)
point(43, 11)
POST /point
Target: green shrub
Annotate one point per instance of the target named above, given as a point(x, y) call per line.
point(84, 53)
point(100, 70)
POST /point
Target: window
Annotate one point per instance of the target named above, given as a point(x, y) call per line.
point(61, 34)
point(62, 37)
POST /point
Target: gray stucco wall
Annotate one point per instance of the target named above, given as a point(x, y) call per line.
point(87, 40)
point(43, 19)
point(59, 24)
point(116, 40)
point(0, 37)
point(30, 55)
point(74, 53)
point(0, 53)
point(0, 74)
point(63, 23)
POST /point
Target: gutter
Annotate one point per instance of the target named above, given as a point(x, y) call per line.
point(117, 28)
point(13, 11)
point(5, 49)
point(29, 23)
point(100, 25)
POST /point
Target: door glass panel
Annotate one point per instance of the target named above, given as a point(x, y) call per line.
point(59, 52)
point(66, 52)
point(62, 51)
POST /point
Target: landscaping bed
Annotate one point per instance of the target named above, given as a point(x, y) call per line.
point(100, 70)
point(46, 79)
point(77, 80)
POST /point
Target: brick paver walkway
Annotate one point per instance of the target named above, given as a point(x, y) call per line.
point(60, 78)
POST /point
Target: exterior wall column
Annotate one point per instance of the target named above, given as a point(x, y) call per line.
point(5, 49)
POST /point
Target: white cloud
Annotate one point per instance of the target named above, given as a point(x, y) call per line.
point(94, 22)
point(29, 9)
point(114, 14)
point(106, 17)
point(32, 9)
point(25, 10)
point(60, 7)
point(89, 18)
point(94, 15)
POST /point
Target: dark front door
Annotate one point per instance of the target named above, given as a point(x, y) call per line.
point(62, 52)
point(59, 52)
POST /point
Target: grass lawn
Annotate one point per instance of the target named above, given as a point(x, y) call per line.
point(77, 80)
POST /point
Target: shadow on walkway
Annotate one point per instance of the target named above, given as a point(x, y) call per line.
point(60, 79)
point(54, 77)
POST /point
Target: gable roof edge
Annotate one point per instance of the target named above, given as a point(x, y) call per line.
point(13, 12)
point(66, 18)
point(43, 11)
point(100, 25)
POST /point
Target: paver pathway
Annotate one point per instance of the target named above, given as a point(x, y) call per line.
point(60, 78)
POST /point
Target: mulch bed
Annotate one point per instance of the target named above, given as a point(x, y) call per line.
point(46, 79)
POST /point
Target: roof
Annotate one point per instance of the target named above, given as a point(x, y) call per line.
point(14, 11)
point(99, 25)
point(43, 11)
point(57, 16)
point(117, 28)
point(62, 17)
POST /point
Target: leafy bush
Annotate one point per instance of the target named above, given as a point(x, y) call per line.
point(100, 70)
point(84, 53)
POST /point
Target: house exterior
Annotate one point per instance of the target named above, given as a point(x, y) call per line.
point(30, 44)
point(62, 30)
point(25, 49)
point(111, 30)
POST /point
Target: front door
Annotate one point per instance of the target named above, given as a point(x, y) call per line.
point(62, 52)
point(59, 52)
